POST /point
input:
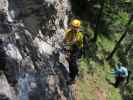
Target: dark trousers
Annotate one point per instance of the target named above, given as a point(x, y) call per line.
point(73, 66)
point(118, 81)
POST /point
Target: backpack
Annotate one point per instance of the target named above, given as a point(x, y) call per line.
point(128, 77)
point(85, 43)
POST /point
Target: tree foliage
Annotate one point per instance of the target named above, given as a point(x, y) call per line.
point(112, 19)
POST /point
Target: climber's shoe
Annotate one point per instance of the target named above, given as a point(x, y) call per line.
point(71, 82)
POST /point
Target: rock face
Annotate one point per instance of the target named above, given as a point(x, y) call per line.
point(30, 31)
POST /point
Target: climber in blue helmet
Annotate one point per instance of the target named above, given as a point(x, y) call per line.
point(121, 73)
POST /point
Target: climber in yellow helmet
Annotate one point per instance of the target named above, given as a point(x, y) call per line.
point(74, 42)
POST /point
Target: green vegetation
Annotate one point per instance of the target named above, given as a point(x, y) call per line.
point(109, 25)
point(93, 75)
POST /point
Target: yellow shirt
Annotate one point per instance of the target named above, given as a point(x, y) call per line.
point(70, 36)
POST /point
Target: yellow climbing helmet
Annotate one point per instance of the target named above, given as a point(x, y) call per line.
point(75, 23)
